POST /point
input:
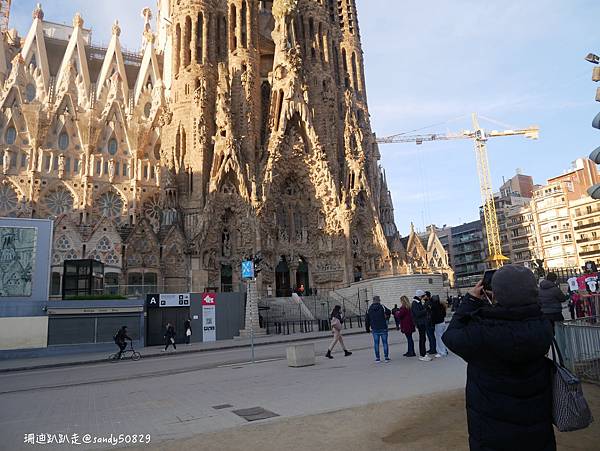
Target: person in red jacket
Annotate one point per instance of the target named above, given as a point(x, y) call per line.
point(407, 327)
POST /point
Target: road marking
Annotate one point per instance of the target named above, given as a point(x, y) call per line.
point(250, 363)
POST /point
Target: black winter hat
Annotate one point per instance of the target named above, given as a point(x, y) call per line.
point(514, 285)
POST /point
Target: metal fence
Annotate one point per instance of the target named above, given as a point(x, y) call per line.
point(284, 327)
point(579, 341)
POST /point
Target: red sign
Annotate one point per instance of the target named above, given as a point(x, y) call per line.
point(209, 298)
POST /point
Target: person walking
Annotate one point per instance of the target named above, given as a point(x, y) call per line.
point(395, 314)
point(551, 299)
point(187, 326)
point(419, 317)
point(407, 326)
point(509, 380)
point(430, 326)
point(377, 318)
point(438, 318)
point(337, 320)
point(169, 337)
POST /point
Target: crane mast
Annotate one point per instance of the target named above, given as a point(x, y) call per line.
point(480, 138)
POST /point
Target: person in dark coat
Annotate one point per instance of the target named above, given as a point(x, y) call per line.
point(170, 337)
point(419, 316)
point(396, 316)
point(187, 326)
point(377, 316)
point(509, 381)
point(120, 338)
point(551, 298)
point(430, 325)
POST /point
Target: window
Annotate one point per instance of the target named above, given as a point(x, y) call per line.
point(63, 141)
point(588, 209)
point(98, 167)
point(106, 167)
point(145, 172)
point(117, 168)
point(68, 165)
point(23, 160)
point(11, 135)
point(30, 92)
point(147, 109)
point(113, 146)
point(125, 170)
point(55, 284)
point(75, 166)
point(13, 160)
point(47, 162)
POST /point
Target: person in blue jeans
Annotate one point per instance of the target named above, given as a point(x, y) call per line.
point(377, 318)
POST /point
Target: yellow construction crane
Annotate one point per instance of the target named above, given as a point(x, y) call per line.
point(480, 137)
point(4, 15)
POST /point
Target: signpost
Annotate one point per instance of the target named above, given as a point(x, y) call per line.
point(248, 274)
point(209, 322)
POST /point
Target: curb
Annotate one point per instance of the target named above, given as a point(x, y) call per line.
point(160, 354)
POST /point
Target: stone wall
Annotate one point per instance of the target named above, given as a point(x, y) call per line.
point(389, 289)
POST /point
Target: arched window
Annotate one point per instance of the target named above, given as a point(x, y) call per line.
point(345, 65)
point(147, 110)
point(177, 55)
point(187, 34)
point(11, 135)
point(113, 146)
point(199, 38)
point(354, 73)
point(232, 28)
point(244, 24)
point(63, 141)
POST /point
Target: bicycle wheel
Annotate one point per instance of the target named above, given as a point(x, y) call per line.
point(136, 356)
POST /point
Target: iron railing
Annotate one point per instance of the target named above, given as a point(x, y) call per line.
point(579, 341)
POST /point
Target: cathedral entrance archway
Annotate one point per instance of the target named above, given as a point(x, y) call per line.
point(358, 273)
point(302, 277)
point(283, 287)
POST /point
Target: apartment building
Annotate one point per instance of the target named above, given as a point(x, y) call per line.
point(468, 253)
point(521, 232)
point(514, 194)
point(585, 214)
point(553, 214)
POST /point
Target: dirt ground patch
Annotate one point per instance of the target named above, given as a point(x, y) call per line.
point(423, 423)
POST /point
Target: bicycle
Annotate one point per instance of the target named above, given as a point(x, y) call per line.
point(135, 356)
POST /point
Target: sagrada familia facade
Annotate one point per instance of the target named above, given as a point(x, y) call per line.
point(241, 126)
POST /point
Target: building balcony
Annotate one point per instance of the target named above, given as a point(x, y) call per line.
point(588, 253)
point(587, 226)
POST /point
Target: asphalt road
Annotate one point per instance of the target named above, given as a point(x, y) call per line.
point(175, 396)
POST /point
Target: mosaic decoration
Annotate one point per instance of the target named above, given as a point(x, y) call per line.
point(17, 259)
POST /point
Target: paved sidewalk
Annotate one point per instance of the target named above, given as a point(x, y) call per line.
point(54, 361)
point(435, 422)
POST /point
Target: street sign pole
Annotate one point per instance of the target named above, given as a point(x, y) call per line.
point(252, 322)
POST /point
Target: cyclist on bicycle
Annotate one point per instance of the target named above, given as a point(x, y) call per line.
point(120, 338)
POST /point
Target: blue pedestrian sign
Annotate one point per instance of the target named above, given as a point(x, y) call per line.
point(248, 269)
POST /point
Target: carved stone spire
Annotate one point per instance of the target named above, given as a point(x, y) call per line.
point(77, 21)
point(38, 12)
point(116, 29)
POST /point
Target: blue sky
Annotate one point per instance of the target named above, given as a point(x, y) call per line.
point(519, 63)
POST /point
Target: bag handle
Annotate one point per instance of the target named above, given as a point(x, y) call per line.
point(556, 352)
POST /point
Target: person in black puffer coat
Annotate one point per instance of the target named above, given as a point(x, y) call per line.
point(509, 382)
point(551, 298)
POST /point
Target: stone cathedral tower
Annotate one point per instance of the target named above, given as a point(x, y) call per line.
point(268, 143)
point(241, 126)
